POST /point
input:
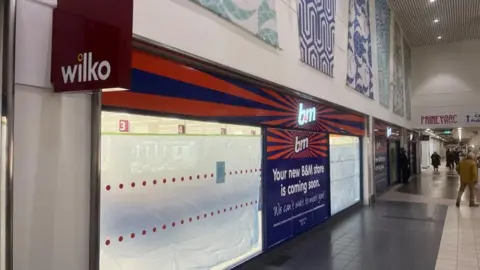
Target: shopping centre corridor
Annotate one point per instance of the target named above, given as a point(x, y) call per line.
point(416, 227)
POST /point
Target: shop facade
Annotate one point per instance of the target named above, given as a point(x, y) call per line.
point(195, 160)
point(389, 139)
point(190, 157)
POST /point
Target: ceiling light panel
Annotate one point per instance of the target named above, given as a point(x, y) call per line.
point(458, 20)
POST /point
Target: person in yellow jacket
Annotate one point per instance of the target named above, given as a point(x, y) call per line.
point(467, 169)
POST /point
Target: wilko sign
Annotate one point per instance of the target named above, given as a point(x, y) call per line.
point(87, 70)
point(91, 45)
point(447, 119)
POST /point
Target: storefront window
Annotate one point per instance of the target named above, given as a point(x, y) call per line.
point(344, 172)
point(178, 194)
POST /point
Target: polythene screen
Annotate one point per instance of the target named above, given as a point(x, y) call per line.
point(179, 201)
point(344, 172)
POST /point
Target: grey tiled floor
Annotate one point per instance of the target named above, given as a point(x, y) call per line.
point(387, 236)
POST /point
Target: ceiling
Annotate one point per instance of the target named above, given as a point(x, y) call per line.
point(458, 20)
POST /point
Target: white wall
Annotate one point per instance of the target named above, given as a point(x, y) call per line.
point(191, 28)
point(445, 80)
point(51, 155)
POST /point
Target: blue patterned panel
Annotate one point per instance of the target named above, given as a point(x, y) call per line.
point(382, 19)
point(316, 27)
point(407, 54)
point(398, 73)
point(256, 16)
point(359, 75)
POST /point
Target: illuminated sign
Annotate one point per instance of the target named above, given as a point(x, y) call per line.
point(306, 115)
point(389, 131)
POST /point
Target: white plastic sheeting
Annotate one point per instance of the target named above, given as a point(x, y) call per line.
point(178, 223)
point(344, 172)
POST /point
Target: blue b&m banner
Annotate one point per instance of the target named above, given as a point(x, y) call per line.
point(296, 183)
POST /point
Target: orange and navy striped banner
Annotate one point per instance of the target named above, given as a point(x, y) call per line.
point(161, 86)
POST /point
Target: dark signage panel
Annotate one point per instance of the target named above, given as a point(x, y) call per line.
point(296, 187)
point(424, 138)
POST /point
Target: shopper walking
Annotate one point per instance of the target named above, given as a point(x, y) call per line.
point(457, 156)
point(404, 166)
point(467, 169)
point(450, 159)
point(435, 161)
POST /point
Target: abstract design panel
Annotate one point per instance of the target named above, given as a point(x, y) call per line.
point(256, 16)
point(408, 79)
point(316, 27)
point(359, 75)
point(398, 76)
point(382, 18)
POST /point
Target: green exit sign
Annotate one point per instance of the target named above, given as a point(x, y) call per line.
point(447, 132)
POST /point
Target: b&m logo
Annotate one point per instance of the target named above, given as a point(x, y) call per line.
point(87, 70)
point(301, 144)
point(306, 115)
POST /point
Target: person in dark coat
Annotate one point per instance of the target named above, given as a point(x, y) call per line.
point(450, 159)
point(404, 165)
point(457, 157)
point(435, 161)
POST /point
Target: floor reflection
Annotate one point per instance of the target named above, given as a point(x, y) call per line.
point(389, 235)
point(442, 185)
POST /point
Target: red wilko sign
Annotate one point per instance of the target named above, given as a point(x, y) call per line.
point(91, 45)
point(447, 119)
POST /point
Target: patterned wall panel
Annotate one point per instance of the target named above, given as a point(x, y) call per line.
point(407, 54)
point(382, 19)
point(316, 27)
point(359, 75)
point(398, 76)
point(256, 16)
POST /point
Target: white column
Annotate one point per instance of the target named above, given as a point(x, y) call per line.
point(52, 174)
point(368, 161)
point(51, 156)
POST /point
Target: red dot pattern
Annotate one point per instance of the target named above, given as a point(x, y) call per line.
point(173, 224)
point(145, 183)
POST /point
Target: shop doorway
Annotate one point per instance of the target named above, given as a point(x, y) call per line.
point(413, 157)
point(393, 166)
point(177, 193)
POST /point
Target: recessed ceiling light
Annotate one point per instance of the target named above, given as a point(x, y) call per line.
point(439, 37)
point(431, 1)
point(435, 21)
